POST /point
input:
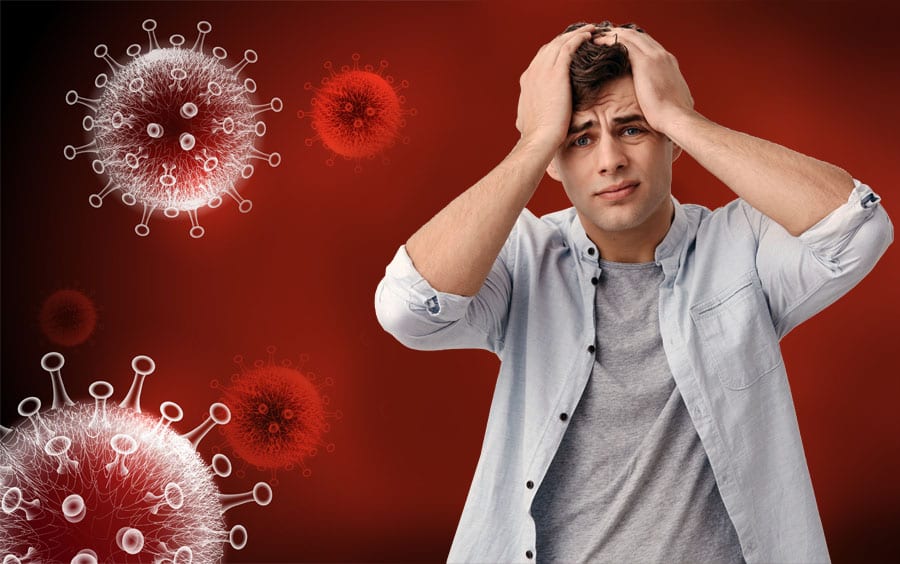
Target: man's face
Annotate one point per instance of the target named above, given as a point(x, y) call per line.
point(609, 146)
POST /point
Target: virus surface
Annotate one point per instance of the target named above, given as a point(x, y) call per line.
point(68, 317)
point(279, 414)
point(173, 129)
point(95, 482)
point(357, 112)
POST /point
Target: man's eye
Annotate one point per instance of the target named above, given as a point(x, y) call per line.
point(582, 141)
point(632, 131)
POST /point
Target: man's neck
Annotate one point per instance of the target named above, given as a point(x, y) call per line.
point(633, 245)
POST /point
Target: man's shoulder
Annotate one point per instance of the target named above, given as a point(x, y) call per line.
point(735, 216)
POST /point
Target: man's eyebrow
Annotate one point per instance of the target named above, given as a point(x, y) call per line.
point(573, 129)
point(628, 119)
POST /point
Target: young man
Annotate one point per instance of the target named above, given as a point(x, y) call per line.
point(642, 412)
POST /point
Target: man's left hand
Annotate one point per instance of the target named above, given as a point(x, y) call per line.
point(661, 90)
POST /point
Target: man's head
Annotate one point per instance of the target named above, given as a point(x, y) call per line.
point(610, 145)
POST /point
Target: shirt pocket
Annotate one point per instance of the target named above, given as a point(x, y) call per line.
point(738, 334)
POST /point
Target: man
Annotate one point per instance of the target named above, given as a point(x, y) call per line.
point(642, 412)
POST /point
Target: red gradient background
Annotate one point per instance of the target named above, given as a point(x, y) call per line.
point(299, 271)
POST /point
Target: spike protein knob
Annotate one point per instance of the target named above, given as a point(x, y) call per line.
point(174, 128)
point(91, 482)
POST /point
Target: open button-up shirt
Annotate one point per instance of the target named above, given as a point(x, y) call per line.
point(735, 283)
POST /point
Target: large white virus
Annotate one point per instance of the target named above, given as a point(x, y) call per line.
point(84, 483)
point(173, 129)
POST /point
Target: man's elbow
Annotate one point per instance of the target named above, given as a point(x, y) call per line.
point(397, 319)
point(867, 245)
point(878, 232)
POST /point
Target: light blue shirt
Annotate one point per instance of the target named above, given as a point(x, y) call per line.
point(735, 283)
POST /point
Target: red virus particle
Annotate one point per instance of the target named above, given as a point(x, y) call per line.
point(68, 317)
point(279, 414)
point(89, 482)
point(358, 112)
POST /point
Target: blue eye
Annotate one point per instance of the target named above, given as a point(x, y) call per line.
point(636, 130)
point(578, 142)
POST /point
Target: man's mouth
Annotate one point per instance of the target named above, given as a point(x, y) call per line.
point(618, 191)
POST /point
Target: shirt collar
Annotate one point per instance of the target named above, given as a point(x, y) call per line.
point(668, 252)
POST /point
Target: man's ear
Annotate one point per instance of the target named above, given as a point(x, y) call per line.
point(676, 152)
point(553, 171)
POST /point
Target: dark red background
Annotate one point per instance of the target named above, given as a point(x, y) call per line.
point(300, 270)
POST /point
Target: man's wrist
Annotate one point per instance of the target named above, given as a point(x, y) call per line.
point(542, 149)
point(678, 122)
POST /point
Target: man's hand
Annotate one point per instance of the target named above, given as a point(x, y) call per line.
point(545, 103)
point(659, 86)
point(794, 190)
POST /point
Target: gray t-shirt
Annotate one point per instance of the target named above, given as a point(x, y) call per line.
point(631, 481)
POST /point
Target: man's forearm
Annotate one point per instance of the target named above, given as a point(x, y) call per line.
point(792, 189)
point(455, 250)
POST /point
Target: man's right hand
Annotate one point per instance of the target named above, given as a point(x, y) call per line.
point(545, 103)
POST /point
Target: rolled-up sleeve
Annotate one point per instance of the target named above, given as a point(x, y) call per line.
point(805, 274)
point(423, 318)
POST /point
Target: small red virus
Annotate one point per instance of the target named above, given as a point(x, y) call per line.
point(358, 112)
point(68, 317)
point(279, 414)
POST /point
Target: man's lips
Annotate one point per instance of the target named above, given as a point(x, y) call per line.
point(618, 191)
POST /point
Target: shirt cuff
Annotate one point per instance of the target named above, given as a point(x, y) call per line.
point(406, 282)
point(831, 234)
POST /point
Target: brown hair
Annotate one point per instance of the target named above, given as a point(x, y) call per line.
point(593, 66)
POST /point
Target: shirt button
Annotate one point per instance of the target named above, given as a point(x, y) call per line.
point(529, 484)
point(595, 280)
point(529, 554)
point(591, 251)
point(591, 349)
point(563, 416)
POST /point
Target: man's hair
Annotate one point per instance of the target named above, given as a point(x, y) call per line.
point(595, 65)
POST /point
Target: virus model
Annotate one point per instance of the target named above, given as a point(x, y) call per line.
point(357, 112)
point(279, 414)
point(68, 317)
point(88, 483)
point(173, 129)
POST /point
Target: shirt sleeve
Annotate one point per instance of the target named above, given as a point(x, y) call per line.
point(803, 275)
point(423, 318)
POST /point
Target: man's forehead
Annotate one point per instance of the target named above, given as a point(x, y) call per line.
point(610, 111)
point(616, 99)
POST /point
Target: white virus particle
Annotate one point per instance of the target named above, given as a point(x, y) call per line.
point(84, 483)
point(173, 129)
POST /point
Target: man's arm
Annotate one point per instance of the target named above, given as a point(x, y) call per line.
point(455, 250)
point(818, 231)
point(794, 190)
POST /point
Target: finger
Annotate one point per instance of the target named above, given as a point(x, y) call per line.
point(563, 38)
point(633, 47)
point(633, 26)
point(641, 39)
point(567, 49)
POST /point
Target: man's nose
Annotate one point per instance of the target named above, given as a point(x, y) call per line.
point(610, 155)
